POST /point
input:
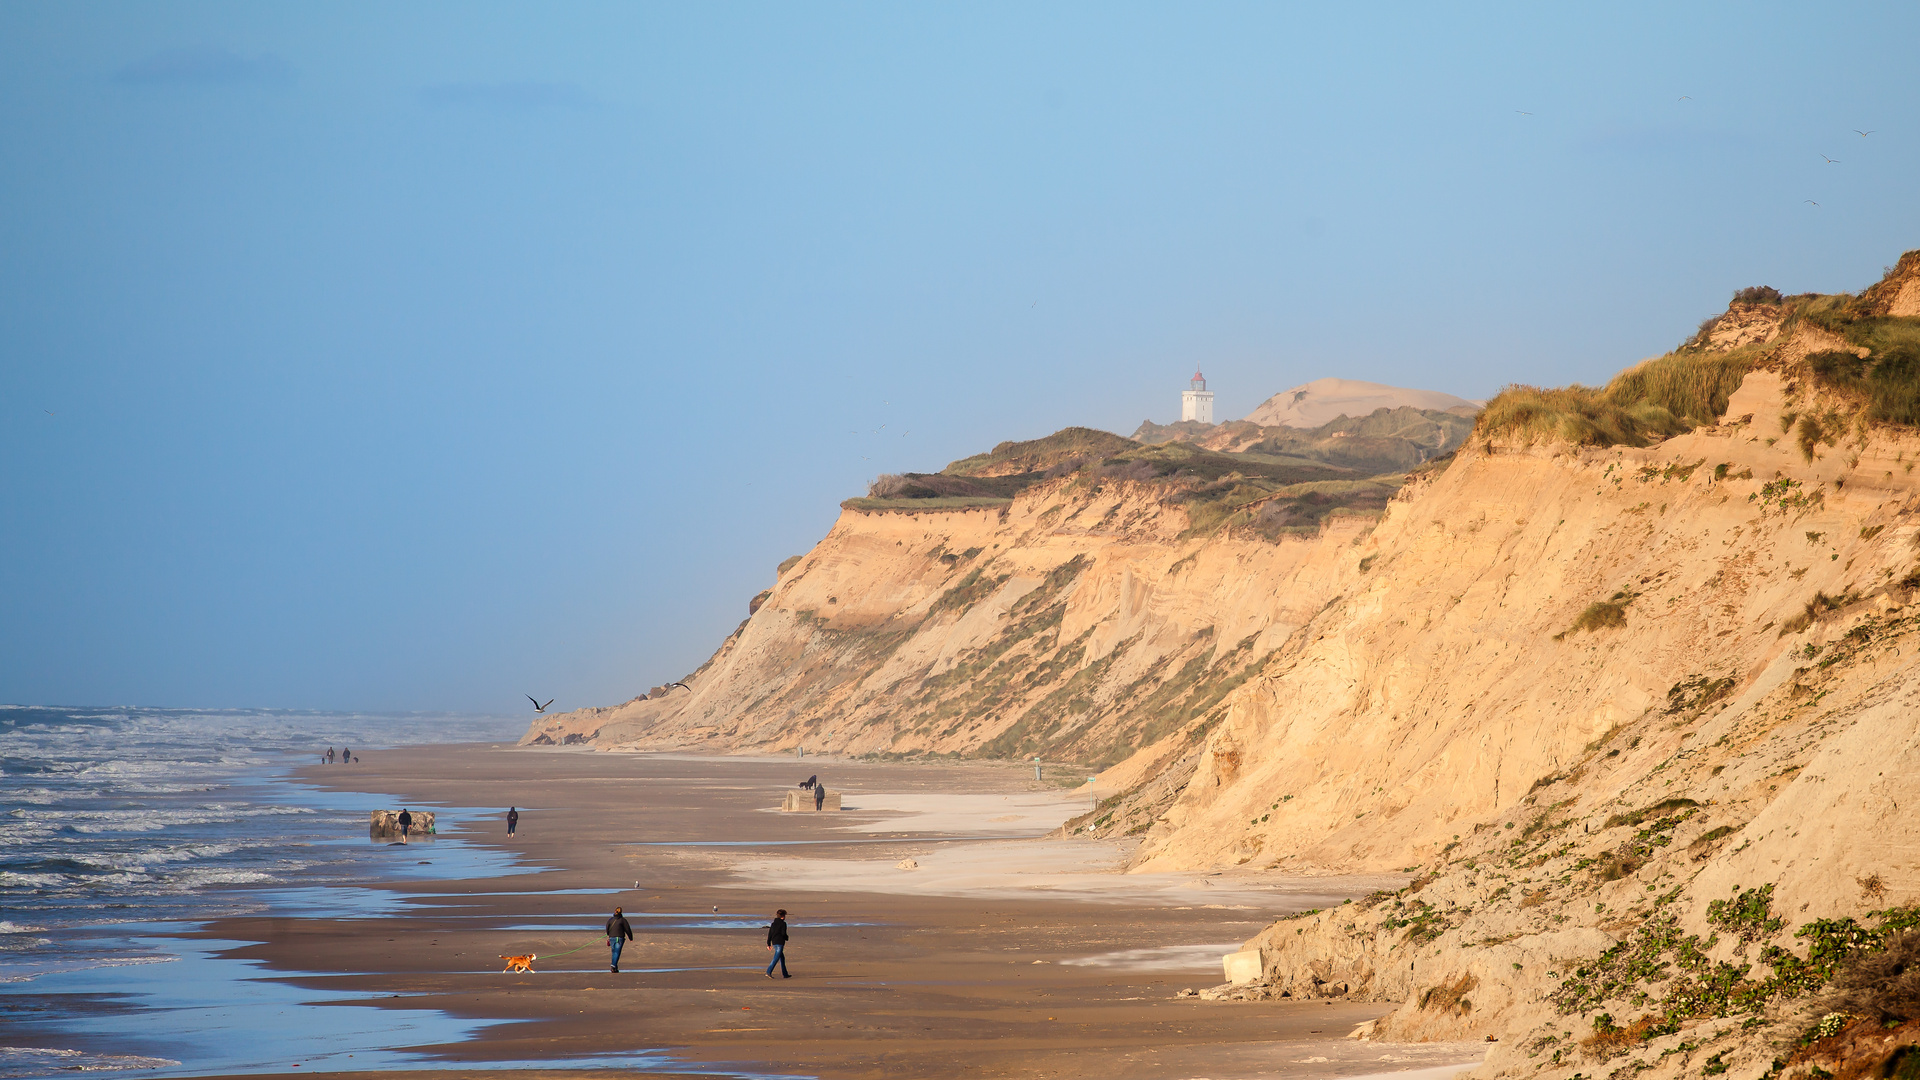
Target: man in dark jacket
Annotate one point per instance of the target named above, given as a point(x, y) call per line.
point(406, 824)
point(819, 796)
point(777, 941)
point(513, 819)
point(618, 934)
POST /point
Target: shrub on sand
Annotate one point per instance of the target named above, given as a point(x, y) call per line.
point(1648, 402)
point(1601, 615)
point(1883, 985)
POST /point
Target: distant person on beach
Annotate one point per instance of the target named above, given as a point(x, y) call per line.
point(777, 941)
point(619, 932)
point(329, 755)
point(819, 796)
point(346, 756)
point(406, 824)
point(513, 819)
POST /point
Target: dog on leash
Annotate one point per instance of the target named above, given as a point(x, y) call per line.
point(518, 963)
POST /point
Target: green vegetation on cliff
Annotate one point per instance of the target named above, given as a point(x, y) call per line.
point(1877, 378)
point(1268, 493)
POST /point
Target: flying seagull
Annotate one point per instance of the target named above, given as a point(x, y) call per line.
point(1686, 97)
point(1828, 160)
point(1523, 112)
point(681, 685)
point(1809, 202)
point(537, 707)
point(1863, 134)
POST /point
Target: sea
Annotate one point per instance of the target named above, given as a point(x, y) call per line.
point(123, 828)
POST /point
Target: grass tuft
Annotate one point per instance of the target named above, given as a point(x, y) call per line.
point(1600, 615)
point(1651, 401)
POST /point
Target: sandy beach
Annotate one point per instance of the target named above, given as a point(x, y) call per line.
point(1005, 953)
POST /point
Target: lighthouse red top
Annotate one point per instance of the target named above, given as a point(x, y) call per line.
point(1199, 381)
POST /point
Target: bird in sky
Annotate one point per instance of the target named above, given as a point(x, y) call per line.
point(1828, 160)
point(537, 707)
point(1686, 97)
point(1863, 134)
point(1523, 112)
point(681, 685)
point(1809, 202)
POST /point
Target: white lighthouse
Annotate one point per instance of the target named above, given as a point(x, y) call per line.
point(1196, 401)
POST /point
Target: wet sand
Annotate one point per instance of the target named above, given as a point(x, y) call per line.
point(1003, 955)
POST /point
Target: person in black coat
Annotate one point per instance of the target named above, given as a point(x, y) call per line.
point(777, 941)
point(619, 932)
point(513, 819)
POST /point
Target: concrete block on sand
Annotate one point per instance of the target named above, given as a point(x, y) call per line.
point(1242, 967)
point(386, 823)
point(803, 800)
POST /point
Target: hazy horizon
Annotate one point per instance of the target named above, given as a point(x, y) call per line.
point(414, 359)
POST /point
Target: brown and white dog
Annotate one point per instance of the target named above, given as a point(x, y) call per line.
point(518, 963)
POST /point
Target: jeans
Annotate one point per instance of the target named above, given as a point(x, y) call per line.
point(616, 943)
point(779, 958)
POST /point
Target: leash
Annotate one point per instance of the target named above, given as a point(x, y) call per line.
point(569, 952)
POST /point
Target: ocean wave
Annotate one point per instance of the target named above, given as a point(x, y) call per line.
point(14, 879)
point(196, 879)
point(143, 861)
point(39, 1061)
point(34, 968)
point(96, 822)
point(7, 927)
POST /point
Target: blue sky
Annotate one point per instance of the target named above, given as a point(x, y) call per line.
point(419, 356)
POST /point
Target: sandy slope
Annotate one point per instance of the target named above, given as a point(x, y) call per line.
point(1310, 405)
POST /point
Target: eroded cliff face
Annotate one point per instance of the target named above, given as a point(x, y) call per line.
point(1076, 623)
point(1446, 678)
point(1641, 725)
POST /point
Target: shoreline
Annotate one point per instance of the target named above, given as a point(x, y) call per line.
point(1022, 955)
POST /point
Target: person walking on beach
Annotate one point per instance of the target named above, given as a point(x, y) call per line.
point(329, 755)
point(346, 756)
point(513, 819)
point(819, 796)
point(619, 932)
point(406, 824)
point(777, 941)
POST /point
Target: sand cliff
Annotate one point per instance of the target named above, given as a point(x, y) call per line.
point(1641, 723)
point(1073, 623)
